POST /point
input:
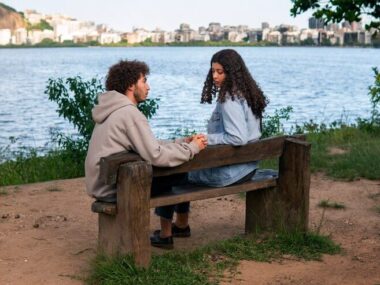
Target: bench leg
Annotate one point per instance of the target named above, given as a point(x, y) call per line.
point(285, 207)
point(260, 210)
point(294, 184)
point(128, 231)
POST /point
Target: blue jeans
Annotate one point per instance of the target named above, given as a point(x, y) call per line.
point(161, 185)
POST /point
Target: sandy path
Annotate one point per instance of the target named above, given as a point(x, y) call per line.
point(48, 237)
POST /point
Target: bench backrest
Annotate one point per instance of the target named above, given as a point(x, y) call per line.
point(212, 156)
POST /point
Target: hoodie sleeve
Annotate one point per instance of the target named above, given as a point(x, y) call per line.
point(168, 154)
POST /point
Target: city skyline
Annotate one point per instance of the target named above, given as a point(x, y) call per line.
point(162, 14)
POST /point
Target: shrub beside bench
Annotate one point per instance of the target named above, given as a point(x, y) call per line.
point(271, 202)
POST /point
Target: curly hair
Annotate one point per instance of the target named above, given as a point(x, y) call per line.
point(124, 74)
point(238, 82)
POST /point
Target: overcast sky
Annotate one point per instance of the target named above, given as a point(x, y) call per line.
point(168, 14)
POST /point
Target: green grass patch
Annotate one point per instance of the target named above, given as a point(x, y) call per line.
point(332, 205)
point(361, 159)
point(208, 264)
point(30, 167)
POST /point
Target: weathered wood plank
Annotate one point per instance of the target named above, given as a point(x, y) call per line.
point(109, 165)
point(212, 156)
point(105, 208)
point(260, 210)
point(133, 195)
point(193, 193)
point(294, 184)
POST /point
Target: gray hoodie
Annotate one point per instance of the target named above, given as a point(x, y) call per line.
point(121, 126)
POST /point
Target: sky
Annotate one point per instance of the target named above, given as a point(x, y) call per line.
point(123, 15)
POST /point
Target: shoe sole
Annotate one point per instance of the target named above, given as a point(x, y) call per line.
point(163, 246)
point(178, 235)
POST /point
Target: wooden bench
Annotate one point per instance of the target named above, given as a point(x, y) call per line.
point(271, 202)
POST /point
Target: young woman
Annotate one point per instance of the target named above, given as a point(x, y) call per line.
point(236, 120)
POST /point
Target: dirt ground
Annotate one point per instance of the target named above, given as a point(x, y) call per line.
point(48, 234)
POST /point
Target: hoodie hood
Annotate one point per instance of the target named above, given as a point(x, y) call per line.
point(109, 102)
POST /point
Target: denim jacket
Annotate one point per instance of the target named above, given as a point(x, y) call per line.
point(232, 122)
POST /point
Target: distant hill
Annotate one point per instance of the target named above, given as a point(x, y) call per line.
point(10, 18)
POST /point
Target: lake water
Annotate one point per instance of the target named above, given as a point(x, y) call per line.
point(319, 83)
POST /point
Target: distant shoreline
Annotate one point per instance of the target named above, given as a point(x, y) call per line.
point(196, 44)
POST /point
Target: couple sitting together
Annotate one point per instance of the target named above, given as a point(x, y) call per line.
point(120, 126)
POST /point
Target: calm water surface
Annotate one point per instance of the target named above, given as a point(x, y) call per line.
point(320, 83)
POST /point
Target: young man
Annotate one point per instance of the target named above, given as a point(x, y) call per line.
point(121, 126)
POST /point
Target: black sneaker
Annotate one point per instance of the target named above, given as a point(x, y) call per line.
point(165, 243)
point(176, 231)
point(181, 232)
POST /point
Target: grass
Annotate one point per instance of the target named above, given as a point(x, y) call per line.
point(361, 159)
point(331, 205)
point(29, 167)
point(207, 265)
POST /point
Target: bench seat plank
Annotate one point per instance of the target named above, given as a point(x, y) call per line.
point(182, 194)
point(191, 192)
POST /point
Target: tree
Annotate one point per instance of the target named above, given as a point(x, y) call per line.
point(335, 11)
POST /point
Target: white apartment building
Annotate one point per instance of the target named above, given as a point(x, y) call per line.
point(291, 37)
point(274, 37)
point(266, 32)
point(33, 17)
point(109, 38)
point(201, 37)
point(20, 36)
point(309, 33)
point(235, 36)
point(137, 36)
point(36, 36)
point(5, 36)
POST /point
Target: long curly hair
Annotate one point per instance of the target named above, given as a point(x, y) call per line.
point(238, 83)
point(124, 74)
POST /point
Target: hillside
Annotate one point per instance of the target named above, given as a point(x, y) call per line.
point(10, 18)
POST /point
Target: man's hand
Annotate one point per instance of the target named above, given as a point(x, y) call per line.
point(200, 139)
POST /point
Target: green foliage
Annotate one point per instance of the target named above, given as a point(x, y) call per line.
point(207, 265)
point(373, 123)
point(307, 42)
point(42, 25)
point(326, 42)
point(75, 98)
point(336, 11)
point(6, 7)
point(272, 125)
point(183, 132)
point(332, 205)
point(28, 166)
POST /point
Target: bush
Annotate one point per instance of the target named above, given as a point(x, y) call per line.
point(373, 123)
